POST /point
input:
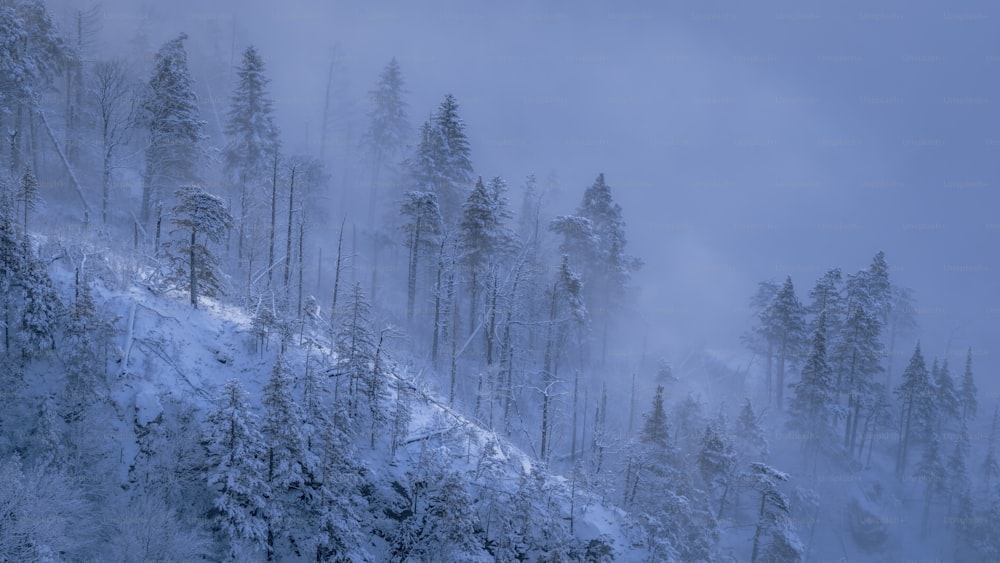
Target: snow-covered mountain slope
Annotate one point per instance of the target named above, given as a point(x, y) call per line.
point(429, 484)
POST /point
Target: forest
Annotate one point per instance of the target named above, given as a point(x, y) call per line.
point(217, 346)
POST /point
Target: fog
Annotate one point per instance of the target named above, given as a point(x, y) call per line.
point(338, 345)
point(744, 143)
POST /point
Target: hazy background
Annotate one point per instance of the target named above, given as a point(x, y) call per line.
point(744, 143)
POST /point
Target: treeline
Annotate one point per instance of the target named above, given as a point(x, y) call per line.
point(835, 356)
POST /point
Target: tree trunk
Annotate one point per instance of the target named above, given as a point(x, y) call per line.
point(760, 528)
point(288, 243)
point(194, 274)
point(437, 306)
point(547, 368)
point(411, 284)
point(336, 272)
point(274, 215)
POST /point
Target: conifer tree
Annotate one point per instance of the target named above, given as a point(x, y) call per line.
point(773, 522)
point(484, 236)
point(172, 119)
point(752, 443)
point(858, 357)
point(236, 469)
point(931, 472)
point(916, 395)
point(785, 324)
point(442, 163)
point(813, 408)
point(253, 139)
point(655, 429)
point(205, 217)
point(717, 461)
point(947, 398)
point(594, 238)
point(388, 125)
point(967, 392)
point(424, 224)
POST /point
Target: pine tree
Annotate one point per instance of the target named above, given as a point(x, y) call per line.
point(253, 138)
point(958, 487)
point(655, 429)
point(39, 316)
point(595, 240)
point(203, 215)
point(947, 398)
point(85, 333)
point(813, 410)
point(758, 339)
point(785, 324)
point(991, 466)
point(483, 234)
point(236, 469)
point(28, 195)
point(967, 392)
point(773, 520)
point(717, 461)
point(289, 463)
point(175, 129)
point(916, 395)
point(35, 52)
point(442, 163)
point(388, 125)
point(750, 434)
point(857, 359)
point(423, 226)
point(931, 472)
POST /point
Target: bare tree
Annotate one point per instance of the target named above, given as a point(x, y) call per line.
point(115, 106)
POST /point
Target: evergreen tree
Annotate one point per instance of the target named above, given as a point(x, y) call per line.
point(595, 241)
point(916, 395)
point(85, 333)
point(172, 118)
point(253, 138)
point(826, 298)
point(717, 461)
point(748, 430)
point(203, 215)
point(958, 487)
point(236, 469)
point(773, 522)
point(483, 234)
point(758, 339)
point(655, 429)
point(34, 53)
point(388, 126)
point(785, 324)
point(423, 226)
point(28, 195)
point(39, 317)
point(442, 163)
point(931, 472)
point(991, 466)
point(947, 398)
point(289, 463)
point(857, 359)
point(967, 392)
point(813, 410)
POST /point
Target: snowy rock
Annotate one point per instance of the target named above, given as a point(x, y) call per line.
point(147, 407)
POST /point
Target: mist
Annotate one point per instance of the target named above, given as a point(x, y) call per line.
point(744, 144)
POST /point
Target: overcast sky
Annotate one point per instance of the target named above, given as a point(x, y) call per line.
point(744, 142)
